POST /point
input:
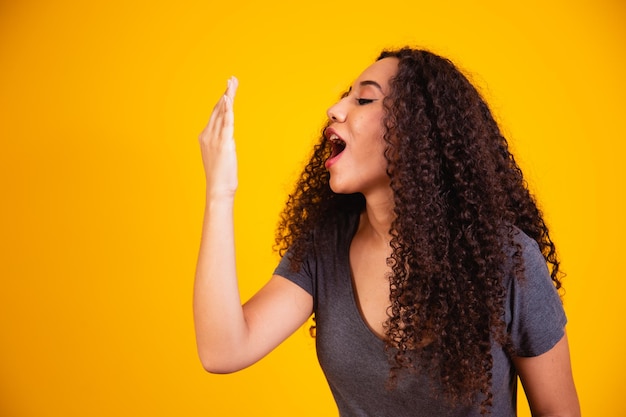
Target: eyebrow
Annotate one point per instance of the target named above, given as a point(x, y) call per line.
point(371, 82)
point(364, 83)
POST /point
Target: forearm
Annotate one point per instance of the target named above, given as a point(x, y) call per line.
point(218, 315)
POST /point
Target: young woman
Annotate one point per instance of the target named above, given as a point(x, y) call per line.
point(412, 237)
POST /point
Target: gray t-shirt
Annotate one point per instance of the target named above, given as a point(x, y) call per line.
point(353, 357)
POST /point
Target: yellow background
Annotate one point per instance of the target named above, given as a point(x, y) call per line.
point(102, 184)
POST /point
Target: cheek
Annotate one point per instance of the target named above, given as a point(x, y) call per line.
point(374, 152)
point(372, 126)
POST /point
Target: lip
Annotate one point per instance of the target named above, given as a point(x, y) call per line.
point(329, 131)
point(331, 161)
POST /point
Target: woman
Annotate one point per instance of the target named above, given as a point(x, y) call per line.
point(413, 239)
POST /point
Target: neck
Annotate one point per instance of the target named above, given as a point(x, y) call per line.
point(377, 217)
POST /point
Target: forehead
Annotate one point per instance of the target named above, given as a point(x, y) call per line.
point(380, 71)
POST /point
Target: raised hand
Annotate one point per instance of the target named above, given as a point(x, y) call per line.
point(229, 336)
point(218, 146)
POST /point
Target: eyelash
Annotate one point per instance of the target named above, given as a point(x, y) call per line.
point(364, 101)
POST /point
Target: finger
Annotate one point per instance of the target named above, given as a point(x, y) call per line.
point(228, 120)
point(212, 129)
point(227, 125)
point(220, 106)
point(222, 109)
point(231, 88)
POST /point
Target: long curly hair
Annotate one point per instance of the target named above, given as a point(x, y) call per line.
point(458, 197)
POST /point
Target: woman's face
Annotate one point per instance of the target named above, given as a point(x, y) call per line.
point(357, 163)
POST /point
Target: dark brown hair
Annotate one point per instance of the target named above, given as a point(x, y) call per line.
point(459, 195)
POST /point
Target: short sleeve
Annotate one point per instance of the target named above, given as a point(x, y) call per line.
point(303, 277)
point(535, 317)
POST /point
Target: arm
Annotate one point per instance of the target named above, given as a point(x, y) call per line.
point(229, 336)
point(548, 382)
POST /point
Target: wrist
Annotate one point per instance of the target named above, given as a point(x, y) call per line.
point(220, 199)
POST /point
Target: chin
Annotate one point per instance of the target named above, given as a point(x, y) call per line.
point(338, 188)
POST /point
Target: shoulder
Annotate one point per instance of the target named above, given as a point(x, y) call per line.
point(521, 240)
point(524, 258)
point(534, 314)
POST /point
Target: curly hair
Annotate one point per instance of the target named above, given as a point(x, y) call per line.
point(459, 195)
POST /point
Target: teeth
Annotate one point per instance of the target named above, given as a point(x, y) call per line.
point(335, 138)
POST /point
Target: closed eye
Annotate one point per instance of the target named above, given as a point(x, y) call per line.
point(364, 101)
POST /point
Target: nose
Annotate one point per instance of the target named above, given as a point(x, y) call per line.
point(337, 112)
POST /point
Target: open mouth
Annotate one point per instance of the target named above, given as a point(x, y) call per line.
point(337, 145)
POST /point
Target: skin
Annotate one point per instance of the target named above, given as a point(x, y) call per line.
point(362, 168)
point(231, 337)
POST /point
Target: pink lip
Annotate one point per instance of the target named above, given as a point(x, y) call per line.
point(331, 161)
point(329, 131)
